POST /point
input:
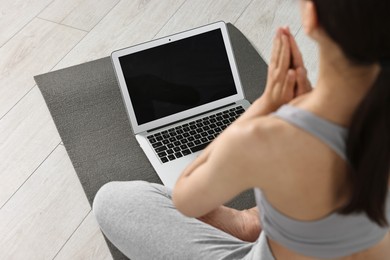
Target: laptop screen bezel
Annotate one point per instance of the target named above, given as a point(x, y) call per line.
point(187, 113)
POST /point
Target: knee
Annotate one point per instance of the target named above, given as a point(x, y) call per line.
point(103, 201)
point(115, 199)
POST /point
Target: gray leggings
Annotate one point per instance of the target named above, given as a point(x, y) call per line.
point(141, 221)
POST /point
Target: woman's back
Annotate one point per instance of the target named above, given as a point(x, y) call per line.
point(312, 185)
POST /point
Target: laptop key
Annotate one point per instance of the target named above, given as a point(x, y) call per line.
point(191, 138)
point(162, 154)
point(178, 155)
point(152, 140)
point(165, 141)
point(155, 145)
point(170, 151)
point(170, 146)
point(171, 157)
point(161, 149)
point(197, 142)
point(177, 149)
point(164, 159)
point(240, 111)
point(191, 144)
point(159, 138)
point(204, 140)
point(186, 152)
point(177, 143)
point(199, 147)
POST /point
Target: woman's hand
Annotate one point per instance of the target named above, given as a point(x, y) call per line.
point(303, 84)
point(287, 76)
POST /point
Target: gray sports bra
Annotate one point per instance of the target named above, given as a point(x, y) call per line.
point(335, 235)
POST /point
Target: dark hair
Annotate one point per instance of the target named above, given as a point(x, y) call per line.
point(362, 29)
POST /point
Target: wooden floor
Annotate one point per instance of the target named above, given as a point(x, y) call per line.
point(44, 213)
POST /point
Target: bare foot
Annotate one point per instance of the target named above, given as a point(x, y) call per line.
point(244, 225)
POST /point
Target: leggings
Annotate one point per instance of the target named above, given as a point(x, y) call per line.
point(140, 219)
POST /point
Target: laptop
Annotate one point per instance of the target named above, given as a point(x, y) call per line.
point(180, 93)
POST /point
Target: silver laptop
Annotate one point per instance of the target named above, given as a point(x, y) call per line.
point(180, 93)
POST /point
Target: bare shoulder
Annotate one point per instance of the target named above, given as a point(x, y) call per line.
point(281, 153)
point(261, 144)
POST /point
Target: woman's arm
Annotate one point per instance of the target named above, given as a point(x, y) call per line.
point(225, 168)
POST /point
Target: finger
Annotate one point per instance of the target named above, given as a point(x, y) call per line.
point(296, 53)
point(303, 84)
point(289, 85)
point(275, 49)
point(285, 55)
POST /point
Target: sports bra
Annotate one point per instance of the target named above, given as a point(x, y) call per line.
point(335, 235)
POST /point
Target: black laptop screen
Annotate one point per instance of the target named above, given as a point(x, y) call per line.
point(181, 75)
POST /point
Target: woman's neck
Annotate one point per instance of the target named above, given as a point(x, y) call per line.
point(340, 88)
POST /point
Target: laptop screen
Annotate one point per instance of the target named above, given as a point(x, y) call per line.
point(178, 76)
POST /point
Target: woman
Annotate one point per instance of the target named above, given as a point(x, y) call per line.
point(318, 160)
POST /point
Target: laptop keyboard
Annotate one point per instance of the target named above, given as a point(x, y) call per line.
point(192, 137)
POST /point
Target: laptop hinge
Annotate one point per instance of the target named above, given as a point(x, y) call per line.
point(185, 119)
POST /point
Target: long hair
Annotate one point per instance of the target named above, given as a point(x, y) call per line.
point(362, 29)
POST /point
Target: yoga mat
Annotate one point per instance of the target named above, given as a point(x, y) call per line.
point(87, 109)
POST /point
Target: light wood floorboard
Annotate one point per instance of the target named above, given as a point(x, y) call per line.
point(81, 14)
point(44, 213)
point(86, 243)
point(34, 50)
point(15, 14)
point(27, 136)
point(261, 19)
point(128, 23)
point(201, 12)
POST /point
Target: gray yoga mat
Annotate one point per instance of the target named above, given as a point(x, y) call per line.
point(86, 106)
